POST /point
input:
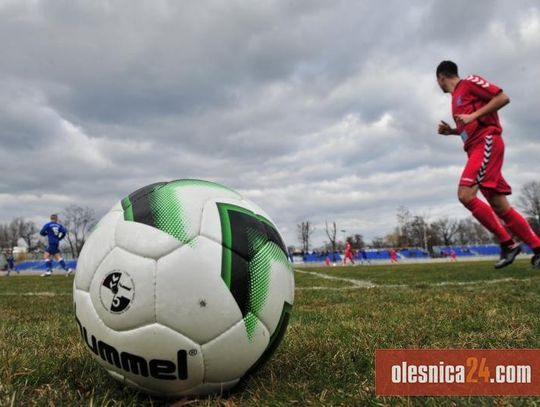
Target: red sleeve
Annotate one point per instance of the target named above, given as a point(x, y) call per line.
point(481, 88)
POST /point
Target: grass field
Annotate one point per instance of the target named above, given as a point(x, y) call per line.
point(327, 357)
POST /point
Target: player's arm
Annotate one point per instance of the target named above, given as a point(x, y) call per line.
point(446, 130)
point(498, 101)
point(63, 232)
point(44, 230)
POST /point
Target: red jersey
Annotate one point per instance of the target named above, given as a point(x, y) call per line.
point(348, 247)
point(471, 94)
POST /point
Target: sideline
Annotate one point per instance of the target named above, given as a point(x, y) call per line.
point(353, 282)
point(358, 284)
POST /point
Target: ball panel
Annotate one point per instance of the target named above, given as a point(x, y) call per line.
point(191, 197)
point(199, 390)
point(144, 240)
point(252, 206)
point(214, 388)
point(275, 286)
point(117, 207)
point(100, 242)
point(226, 221)
point(224, 218)
point(230, 355)
point(169, 364)
point(271, 229)
point(123, 290)
point(211, 226)
point(173, 207)
point(267, 282)
point(192, 298)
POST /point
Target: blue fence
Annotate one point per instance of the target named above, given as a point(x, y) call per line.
point(40, 265)
point(414, 253)
point(371, 254)
point(478, 250)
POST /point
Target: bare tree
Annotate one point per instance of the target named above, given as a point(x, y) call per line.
point(445, 229)
point(7, 238)
point(418, 232)
point(331, 232)
point(357, 241)
point(377, 242)
point(390, 240)
point(470, 232)
point(78, 221)
point(25, 230)
point(305, 230)
point(529, 202)
point(403, 233)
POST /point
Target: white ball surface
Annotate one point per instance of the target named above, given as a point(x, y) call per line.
point(183, 288)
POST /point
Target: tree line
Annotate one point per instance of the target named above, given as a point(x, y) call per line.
point(417, 230)
point(78, 221)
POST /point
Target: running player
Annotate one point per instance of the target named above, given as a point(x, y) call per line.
point(475, 102)
point(364, 257)
point(10, 264)
point(348, 253)
point(393, 256)
point(55, 232)
point(453, 255)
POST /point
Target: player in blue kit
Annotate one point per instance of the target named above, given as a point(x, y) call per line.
point(10, 264)
point(55, 232)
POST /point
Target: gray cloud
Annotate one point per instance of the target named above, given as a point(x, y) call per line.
point(315, 110)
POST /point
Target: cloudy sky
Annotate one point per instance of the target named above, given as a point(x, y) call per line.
point(316, 110)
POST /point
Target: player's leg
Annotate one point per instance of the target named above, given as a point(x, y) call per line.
point(479, 170)
point(483, 212)
point(514, 221)
point(61, 261)
point(495, 188)
point(48, 263)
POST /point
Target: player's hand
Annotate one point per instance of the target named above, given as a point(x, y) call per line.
point(464, 118)
point(445, 129)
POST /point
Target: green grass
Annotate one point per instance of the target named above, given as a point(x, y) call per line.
point(431, 273)
point(327, 357)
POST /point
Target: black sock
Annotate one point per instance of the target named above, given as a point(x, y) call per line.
point(508, 243)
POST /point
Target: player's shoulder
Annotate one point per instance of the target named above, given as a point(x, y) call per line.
point(477, 80)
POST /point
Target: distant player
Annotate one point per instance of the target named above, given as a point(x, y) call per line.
point(348, 253)
point(393, 256)
point(10, 264)
point(364, 257)
point(55, 232)
point(327, 261)
point(475, 102)
point(453, 255)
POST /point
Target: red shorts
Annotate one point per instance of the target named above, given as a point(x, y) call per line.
point(484, 166)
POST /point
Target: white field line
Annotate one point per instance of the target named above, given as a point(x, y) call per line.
point(354, 283)
point(358, 284)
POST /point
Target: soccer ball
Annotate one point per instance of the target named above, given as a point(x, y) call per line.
point(183, 288)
